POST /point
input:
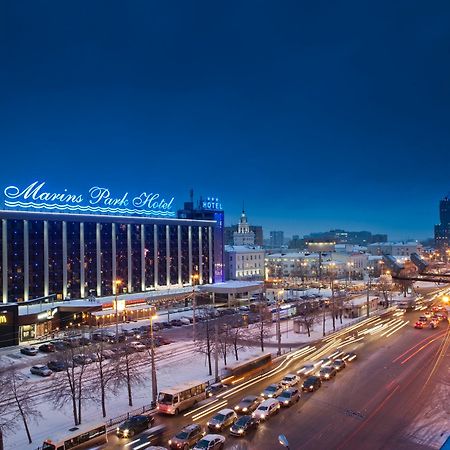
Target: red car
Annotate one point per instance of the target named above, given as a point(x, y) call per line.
point(419, 325)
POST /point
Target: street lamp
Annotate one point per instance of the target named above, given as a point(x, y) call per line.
point(194, 277)
point(153, 315)
point(282, 439)
point(116, 307)
point(278, 321)
point(368, 290)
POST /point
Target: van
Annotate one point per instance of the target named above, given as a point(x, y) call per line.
point(267, 409)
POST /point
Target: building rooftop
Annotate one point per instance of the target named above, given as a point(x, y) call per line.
point(243, 248)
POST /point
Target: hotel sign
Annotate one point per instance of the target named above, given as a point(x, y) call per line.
point(211, 203)
point(96, 200)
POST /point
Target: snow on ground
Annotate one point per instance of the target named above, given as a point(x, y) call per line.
point(177, 355)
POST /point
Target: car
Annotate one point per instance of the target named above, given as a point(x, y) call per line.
point(339, 364)
point(29, 351)
point(306, 370)
point(57, 366)
point(289, 396)
point(214, 389)
point(210, 442)
point(60, 345)
point(349, 356)
point(128, 333)
point(327, 372)
point(272, 391)
point(290, 380)
point(243, 425)
point(72, 342)
point(153, 436)
point(85, 341)
point(311, 384)
point(324, 362)
point(224, 418)
point(185, 321)
point(47, 348)
point(166, 325)
point(434, 324)
point(107, 353)
point(247, 405)
point(134, 425)
point(423, 319)
point(81, 359)
point(137, 346)
point(176, 323)
point(187, 437)
point(41, 370)
point(419, 325)
point(101, 336)
point(266, 409)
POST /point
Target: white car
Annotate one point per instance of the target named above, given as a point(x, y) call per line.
point(307, 369)
point(210, 442)
point(138, 346)
point(290, 380)
point(266, 409)
point(41, 370)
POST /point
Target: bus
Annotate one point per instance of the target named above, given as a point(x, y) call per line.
point(233, 373)
point(286, 310)
point(79, 437)
point(177, 399)
point(407, 304)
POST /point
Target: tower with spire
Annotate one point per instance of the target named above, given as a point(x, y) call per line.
point(243, 235)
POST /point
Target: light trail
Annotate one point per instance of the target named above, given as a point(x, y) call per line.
point(397, 329)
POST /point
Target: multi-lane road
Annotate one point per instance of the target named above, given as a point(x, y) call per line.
point(394, 396)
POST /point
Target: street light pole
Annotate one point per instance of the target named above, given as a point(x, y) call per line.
point(118, 283)
point(194, 304)
point(278, 326)
point(152, 355)
point(368, 293)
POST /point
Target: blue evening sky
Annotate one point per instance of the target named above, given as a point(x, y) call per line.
point(317, 114)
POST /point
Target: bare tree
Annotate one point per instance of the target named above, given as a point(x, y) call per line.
point(70, 386)
point(105, 374)
point(204, 338)
point(127, 370)
point(22, 405)
point(308, 318)
point(238, 335)
point(262, 327)
point(385, 288)
point(6, 423)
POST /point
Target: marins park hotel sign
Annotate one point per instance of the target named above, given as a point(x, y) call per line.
point(97, 200)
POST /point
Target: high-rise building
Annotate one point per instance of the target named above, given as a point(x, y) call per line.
point(442, 230)
point(276, 239)
point(60, 244)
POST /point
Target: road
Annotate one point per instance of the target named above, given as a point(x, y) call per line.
point(372, 404)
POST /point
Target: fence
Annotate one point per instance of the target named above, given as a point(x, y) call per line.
point(142, 410)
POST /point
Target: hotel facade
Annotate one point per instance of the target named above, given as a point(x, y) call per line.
point(79, 245)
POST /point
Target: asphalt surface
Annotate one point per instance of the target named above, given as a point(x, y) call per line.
point(372, 404)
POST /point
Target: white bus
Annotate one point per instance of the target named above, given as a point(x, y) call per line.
point(80, 437)
point(177, 399)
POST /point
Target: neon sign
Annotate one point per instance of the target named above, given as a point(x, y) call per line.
point(98, 200)
point(3, 319)
point(212, 203)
